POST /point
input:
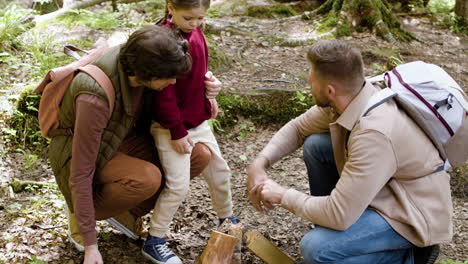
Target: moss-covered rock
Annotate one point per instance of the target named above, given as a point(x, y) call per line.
point(275, 11)
point(218, 60)
point(276, 107)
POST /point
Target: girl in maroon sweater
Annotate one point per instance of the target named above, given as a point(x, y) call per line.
point(180, 120)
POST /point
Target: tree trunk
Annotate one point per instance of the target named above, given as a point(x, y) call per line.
point(461, 10)
point(356, 15)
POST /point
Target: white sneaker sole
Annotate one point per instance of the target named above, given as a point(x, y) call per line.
point(150, 258)
point(122, 228)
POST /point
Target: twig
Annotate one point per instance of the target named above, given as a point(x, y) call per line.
point(242, 49)
point(48, 228)
point(275, 80)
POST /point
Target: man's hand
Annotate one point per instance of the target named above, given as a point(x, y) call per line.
point(256, 177)
point(183, 145)
point(214, 108)
point(272, 192)
point(92, 255)
point(212, 84)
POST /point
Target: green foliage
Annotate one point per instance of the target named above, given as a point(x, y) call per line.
point(276, 11)
point(102, 20)
point(450, 261)
point(11, 27)
point(275, 108)
point(328, 22)
point(217, 12)
point(445, 16)
point(24, 130)
point(343, 30)
point(44, 55)
point(441, 6)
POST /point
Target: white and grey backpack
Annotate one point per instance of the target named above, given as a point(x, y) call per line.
point(434, 101)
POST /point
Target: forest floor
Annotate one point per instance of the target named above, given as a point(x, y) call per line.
point(33, 225)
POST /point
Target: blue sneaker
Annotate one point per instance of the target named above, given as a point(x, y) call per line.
point(156, 250)
point(231, 218)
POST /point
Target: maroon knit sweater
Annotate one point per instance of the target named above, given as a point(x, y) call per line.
point(183, 106)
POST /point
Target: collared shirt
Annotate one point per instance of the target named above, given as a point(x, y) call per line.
point(388, 167)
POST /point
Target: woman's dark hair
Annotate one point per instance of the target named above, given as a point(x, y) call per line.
point(155, 52)
point(183, 5)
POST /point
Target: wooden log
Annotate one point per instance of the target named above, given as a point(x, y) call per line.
point(219, 249)
point(236, 230)
point(265, 249)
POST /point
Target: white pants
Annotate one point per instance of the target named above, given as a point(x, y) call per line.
point(177, 172)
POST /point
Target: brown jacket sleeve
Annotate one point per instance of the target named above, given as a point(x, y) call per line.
point(92, 115)
point(292, 135)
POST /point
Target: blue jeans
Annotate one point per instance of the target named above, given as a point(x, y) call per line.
point(370, 240)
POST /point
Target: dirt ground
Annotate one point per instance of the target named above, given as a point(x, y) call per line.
point(32, 222)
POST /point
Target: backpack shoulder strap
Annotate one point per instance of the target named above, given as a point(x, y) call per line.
point(103, 80)
point(378, 99)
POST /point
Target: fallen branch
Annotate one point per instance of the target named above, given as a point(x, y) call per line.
point(47, 228)
point(77, 5)
point(275, 80)
point(265, 249)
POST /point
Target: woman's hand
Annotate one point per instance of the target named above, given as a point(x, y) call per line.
point(92, 255)
point(212, 84)
point(183, 145)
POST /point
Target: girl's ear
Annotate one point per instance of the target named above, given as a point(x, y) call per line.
point(170, 8)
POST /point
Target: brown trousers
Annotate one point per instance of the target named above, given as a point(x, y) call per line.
point(132, 178)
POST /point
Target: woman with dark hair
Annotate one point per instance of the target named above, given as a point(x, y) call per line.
point(108, 169)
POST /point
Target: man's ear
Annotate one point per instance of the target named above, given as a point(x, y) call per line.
point(331, 91)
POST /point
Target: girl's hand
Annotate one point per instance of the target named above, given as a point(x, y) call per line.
point(212, 84)
point(92, 255)
point(183, 145)
point(214, 108)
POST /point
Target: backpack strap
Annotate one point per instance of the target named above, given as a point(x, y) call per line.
point(71, 51)
point(103, 80)
point(377, 99)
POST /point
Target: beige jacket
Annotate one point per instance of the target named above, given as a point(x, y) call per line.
point(386, 164)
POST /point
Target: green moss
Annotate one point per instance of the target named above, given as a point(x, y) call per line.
point(217, 12)
point(271, 11)
point(329, 22)
point(218, 60)
point(343, 30)
point(274, 108)
point(102, 20)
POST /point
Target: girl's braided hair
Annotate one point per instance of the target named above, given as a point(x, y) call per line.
point(183, 5)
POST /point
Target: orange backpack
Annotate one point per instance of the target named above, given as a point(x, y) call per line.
point(57, 81)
